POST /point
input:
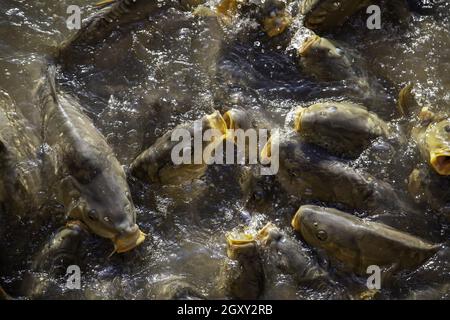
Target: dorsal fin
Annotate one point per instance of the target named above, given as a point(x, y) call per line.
point(51, 76)
point(46, 88)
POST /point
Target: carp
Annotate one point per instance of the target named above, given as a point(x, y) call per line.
point(357, 243)
point(89, 180)
point(340, 127)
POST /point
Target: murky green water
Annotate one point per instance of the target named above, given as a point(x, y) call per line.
point(175, 68)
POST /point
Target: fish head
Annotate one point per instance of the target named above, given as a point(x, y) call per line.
point(325, 59)
point(241, 245)
point(318, 227)
point(99, 196)
point(343, 127)
point(438, 141)
point(237, 119)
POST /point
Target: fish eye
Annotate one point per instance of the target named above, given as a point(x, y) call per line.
point(322, 235)
point(92, 214)
point(447, 128)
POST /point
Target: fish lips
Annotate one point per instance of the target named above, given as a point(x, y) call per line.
point(440, 161)
point(129, 240)
point(240, 245)
point(296, 220)
point(308, 45)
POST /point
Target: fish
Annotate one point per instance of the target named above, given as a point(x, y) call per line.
point(432, 135)
point(340, 127)
point(311, 173)
point(357, 243)
point(89, 180)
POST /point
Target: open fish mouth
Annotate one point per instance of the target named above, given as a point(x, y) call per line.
point(236, 119)
point(277, 22)
point(440, 161)
point(129, 241)
point(296, 221)
point(298, 119)
point(266, 152)
point(240, 243)
point(308, 45)
point(217, 122)
point(239, 238)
